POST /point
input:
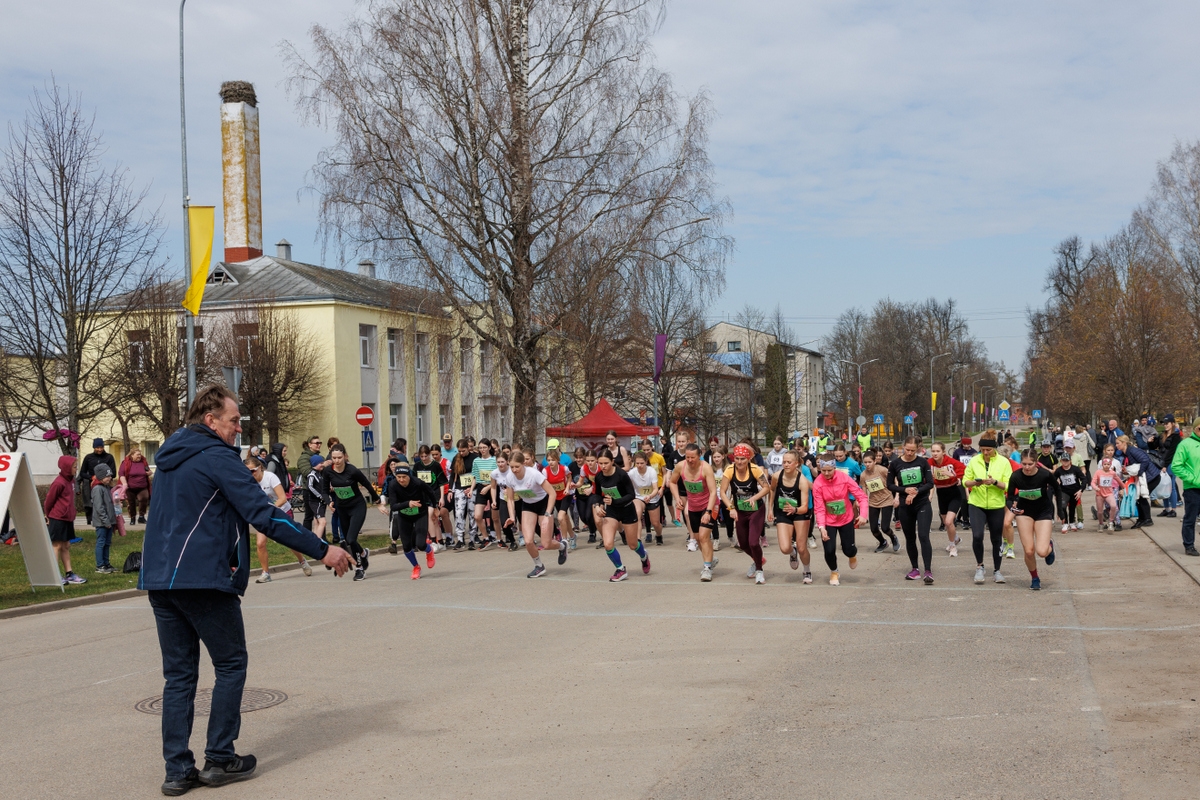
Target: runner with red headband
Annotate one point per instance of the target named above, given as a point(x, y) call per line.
point(742, 491)
point(699, 487)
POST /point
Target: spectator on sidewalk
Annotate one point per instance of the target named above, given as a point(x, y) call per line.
point(135, 479)
point(104, 517)
point(195, 566)
point(1186, 465)
point(87, 469)
point(60, 515)
point(311, 448)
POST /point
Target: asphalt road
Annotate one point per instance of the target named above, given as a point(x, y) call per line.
point(477, 682)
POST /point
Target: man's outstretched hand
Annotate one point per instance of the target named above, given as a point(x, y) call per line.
point(338, 560)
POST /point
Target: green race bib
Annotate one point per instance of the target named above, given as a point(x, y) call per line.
point(343, 492)
point(410, 511)
point(910, 476)
point(875, 485)
point(747, 504)
point(525, 494)
point(693, 487)
point(787, 504)
point(425, 476)
point(1029, 494)
point(835, 508)
point(612, 491)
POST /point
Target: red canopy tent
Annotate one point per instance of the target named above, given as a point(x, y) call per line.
point(598, 422)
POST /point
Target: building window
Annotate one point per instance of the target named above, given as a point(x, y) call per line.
point(366, 345)
point(485, 358)
point(421, 342)
point(503, 423)
point(443, 351)
point(150, 450)
point(734, 347)
point(466, 421)
point(198, 337)
point(393, 356)
point(139, 350)
point(710, 347)
point(443, 418)
point(395, 414)
point(245, 337)
point(421, 411)
point(465, 356)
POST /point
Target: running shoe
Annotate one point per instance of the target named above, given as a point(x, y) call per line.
point(575, 542)
point(646, 566)
point(521, 541)
point(853, 562)
point(105, 570)
point(954, 551)
point(1065, 528)
point(706, 573)
point(807, 577)
point(305, 568)
point(264, 578)
point(600, 545)
point(1035, 584)
point(979, 575)
point(998, 577)
point(675, 522)
point(1079, 526)
point(692, 546)
point(620, 575)
point(538, 571)
point(750, 572)
point(364, 559)
point(512, 547)
point(471, 545)
point(649, 538)
point(359, 574)
point(488, 545)
point(591, 538)
point(416, 573)
point(794, 559)
point(1010, 553)
point(430, 560)
point(1191, 551)
point(562, 553)
point(915, 575)
point(759, 577)
point(392, 547)
point(74, 579)
point(1050, 556)
point(833, 579)
point(883, 546)
point(658, 540)
point(895, 544)
point(717, 544)
point(928, 578)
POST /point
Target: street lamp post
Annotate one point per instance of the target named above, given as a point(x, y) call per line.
point(974, 421)
point(963, 420)
point(989, 389)
point(932, 434)
point(859, 366)
point(189, 318)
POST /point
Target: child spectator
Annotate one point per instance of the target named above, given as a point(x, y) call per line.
point(60, 515)
point(104, 516)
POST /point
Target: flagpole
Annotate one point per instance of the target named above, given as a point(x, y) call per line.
point(190, 319)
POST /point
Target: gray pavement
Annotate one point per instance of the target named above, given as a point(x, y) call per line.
point(477, 682)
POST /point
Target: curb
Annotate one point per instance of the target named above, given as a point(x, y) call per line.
point(105, 597)
point(1174, 559)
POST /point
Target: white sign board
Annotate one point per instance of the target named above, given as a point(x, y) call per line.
point(18, 496)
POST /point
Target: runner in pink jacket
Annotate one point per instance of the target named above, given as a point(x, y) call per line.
point(835, 498)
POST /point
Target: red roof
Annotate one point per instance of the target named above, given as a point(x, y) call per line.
point(598, 422)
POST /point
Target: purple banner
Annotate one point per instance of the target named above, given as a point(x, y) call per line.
point(660, 354)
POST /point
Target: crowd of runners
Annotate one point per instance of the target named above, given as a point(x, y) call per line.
point(816, 492)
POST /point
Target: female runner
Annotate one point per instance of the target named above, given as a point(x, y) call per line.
point(911, 479)
point(620, 454)
point(560, 479)
point(585, 495)
point(987, 477)
point(880, 502)
point(341, 479)
point(947, 472)
point(649, 492)
point(530, 500)
point(481, 472)
point(409, 501)
point(1031, 490)
point(615, 508)
point(429, 471)
point(719, 464)
point(792, 509)
point(743, 489)
point(699, 487)
point(835, 499)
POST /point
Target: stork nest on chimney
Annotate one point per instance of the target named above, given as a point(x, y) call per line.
point(239, 92)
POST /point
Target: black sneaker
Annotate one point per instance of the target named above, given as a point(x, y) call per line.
point(513, 547)
point(895, 543)
point(392, 547)
point(364, 559)
point(1138, 524)
point(240, 768)
point(471, 545)
point(1191, 551)
point(359, 574)
point(658, 541)
point(458, 546)
point(141, 520)
point(591, 538)
point(562, 553)
point(182, 785)
point(883, 547)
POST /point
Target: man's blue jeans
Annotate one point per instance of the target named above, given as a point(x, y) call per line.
point(1191, 509)
point(185, 618)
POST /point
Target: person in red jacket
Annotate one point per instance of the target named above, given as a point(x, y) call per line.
point(60, 515)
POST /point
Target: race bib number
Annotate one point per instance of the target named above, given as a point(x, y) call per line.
point(525, 494)
point(645, 491)
point(584, 489)
point(693, 487)
point(910, 476)
point(747, 504)
point(835, 508)
point(466, 481)
point(425, 476)
point(875, 485)
point(1067, 480)
point(1029, 494)
point(1106, 481)
point(612, 491)
point(943, 473)
point(558, 487)
point(343, 492)
point(485, 475)
point(787, 505)
point(410, 511)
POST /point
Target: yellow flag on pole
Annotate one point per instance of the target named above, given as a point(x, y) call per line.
point(201, 225)
point(933, 403)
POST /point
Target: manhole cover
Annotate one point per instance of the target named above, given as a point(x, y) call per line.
point(252, 700)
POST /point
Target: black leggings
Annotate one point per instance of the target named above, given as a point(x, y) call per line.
point(1066, 506)
point(1143, 503)
point(993, 519)
point(881, 522)
point(352, 516)
point(725, 519)
point(848, 547)
point(749, 533)
point(412, 531)
point(915, 521)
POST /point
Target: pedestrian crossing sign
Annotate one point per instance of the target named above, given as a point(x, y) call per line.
point(879, 419)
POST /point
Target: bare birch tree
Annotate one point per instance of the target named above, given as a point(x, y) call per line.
point(499, 147)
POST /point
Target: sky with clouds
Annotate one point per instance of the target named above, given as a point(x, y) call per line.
point(869, 149)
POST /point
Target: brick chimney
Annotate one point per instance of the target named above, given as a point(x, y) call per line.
point(241, 173)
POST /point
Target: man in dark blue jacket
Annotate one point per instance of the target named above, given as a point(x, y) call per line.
point(195, 566)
